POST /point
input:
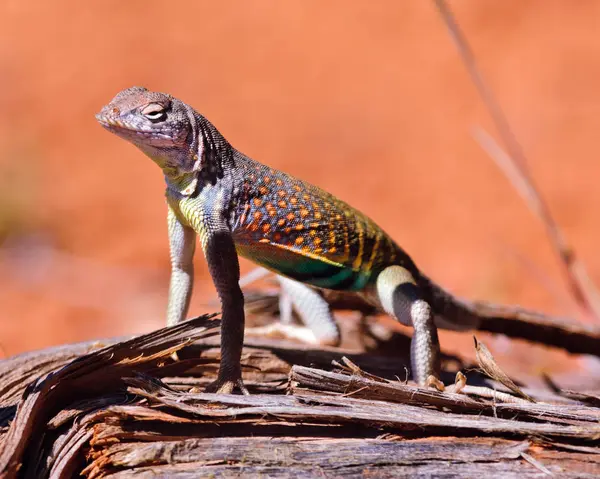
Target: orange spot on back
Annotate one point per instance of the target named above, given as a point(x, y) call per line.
point(290, 216)
point(257, 202)
point(299, 240)
point(266, 227)
point(303, 212)
point(263, 190)
point(299, 227)
point(267, 180)
point(280, 221)
point(282, 204)
point(278, 182)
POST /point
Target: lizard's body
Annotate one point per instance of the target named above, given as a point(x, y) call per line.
point(239, 206)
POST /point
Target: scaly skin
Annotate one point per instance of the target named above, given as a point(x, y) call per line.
point(236, 205)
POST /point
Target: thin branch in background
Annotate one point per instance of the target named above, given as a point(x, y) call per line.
point(581, 285)
point(514, 165)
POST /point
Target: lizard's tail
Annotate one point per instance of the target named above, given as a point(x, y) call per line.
point(512, 321)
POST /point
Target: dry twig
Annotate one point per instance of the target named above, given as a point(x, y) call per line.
point(514, 165)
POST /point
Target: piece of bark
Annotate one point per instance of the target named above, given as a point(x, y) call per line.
point(98, 372)
point(339, 409)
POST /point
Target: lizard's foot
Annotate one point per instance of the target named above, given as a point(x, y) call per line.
point(285, 331)
point(227, 386)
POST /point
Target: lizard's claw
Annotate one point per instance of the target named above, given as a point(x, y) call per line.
point(227, 386)
point(435, 383)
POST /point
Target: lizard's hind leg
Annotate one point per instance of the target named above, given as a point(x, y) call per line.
point(320, 326)
point(314, 311)
point(401, 298)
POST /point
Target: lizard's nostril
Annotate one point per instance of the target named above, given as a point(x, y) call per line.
point(116, 111)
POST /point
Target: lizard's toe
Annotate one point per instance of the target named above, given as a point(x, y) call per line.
point(435, 383)
point(227, 386)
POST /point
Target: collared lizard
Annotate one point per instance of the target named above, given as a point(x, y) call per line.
point(237, 206)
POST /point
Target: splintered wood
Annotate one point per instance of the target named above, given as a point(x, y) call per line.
point(124, 408)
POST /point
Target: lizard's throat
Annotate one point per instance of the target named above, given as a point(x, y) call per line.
point(174, 167)
point(186, 184)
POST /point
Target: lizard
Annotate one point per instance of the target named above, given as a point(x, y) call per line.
point(236, 206)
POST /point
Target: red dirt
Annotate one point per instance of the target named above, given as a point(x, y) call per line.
point(369, 102)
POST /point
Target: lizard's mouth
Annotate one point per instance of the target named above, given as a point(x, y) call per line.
point(130, 132)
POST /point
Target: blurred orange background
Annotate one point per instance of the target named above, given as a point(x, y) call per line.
point(369, 100)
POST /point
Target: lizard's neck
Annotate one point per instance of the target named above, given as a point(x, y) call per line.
point(210, 158)
point(183, 185)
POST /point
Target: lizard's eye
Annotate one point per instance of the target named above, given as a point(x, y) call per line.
point(154, 112)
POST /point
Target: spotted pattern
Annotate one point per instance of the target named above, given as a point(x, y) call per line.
point(306, 233)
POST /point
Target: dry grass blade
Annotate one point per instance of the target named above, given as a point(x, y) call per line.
point(489, 366)
point(514, 164)
point(535, 463)
point(349, 366)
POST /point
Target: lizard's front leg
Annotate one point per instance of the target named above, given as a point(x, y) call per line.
point(400, 297)
point(224, 268)
point(182, 243)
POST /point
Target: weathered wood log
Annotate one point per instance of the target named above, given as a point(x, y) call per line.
point(119, 408)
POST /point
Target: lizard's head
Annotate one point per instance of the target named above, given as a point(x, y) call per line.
point(163, 127)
